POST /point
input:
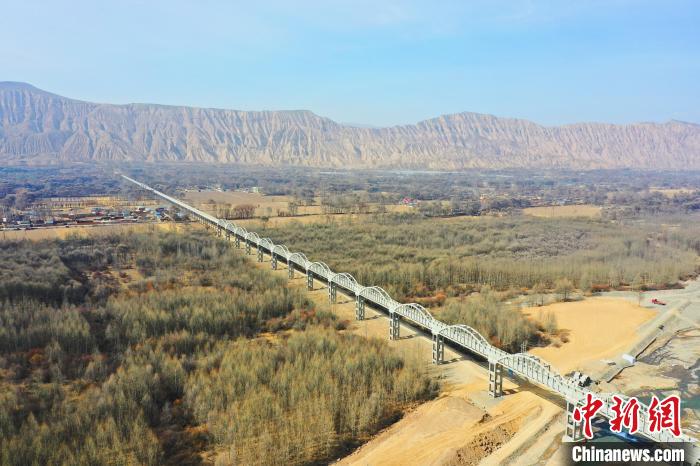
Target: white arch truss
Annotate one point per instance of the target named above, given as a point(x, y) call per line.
point(320, 269)
point(376, 290)
point(345, 280)
point(300, 259)
point(415, 312)
point(378, 295)
point(266, 243)
point(252, 237)
point(452, 332)
point(281, 250)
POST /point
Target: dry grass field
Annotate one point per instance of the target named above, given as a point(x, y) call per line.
point(268, 206)
point(671, 192)
point(80, 230)
point(260, 201)
point(589, 211)
point(274, 222)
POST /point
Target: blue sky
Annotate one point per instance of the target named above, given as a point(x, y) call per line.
point(380, 62)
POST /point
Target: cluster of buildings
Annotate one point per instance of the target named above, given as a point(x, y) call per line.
point(31, 218)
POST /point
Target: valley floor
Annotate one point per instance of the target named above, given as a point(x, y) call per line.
point(465, 426)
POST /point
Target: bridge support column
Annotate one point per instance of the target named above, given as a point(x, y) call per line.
point(219, 232)
point(495, 379)
point(359, 308)
point(394, 326)
point(332, 292)
point(273, 262)
point(228, 235)
point(574, 430)
point(237, 242)
point(260, 254)
point(438, 349)
point(247, 247)
point(290, 269)
point(309, 280)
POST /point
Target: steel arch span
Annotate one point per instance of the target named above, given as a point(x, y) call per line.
point(267, 244)
point(281, 250)
point(252, 237)
point(468, 336)
point(345, 280)
point(416, 313)
point(225, 224)
point(300, 259)
point(320, 269)
point(378, 291)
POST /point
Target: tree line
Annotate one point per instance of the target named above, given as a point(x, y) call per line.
point(166, 365)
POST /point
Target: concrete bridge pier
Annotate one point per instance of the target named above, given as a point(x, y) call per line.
point(360, 308)
point(260, 254)
point(290, 269)
point(495, 379)
point(332, 293)
point(309, 280)
point(228, 235)
point(574, 430)
point(394, 327)
point(438, 349)
point(247, 247)
point(273, 262)
point(237, 242)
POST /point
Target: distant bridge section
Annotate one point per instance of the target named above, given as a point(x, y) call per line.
point(524, 365)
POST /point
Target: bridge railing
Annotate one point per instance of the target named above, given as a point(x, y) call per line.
point(525, 365)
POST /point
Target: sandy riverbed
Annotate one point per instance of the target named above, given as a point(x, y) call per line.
point(597, 329)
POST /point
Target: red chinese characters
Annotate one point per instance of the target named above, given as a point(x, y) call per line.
point(586, 412)
point(665, 414)
point(626, 415)
point(662, 415)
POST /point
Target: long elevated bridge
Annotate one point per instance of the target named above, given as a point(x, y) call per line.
point(524, 365)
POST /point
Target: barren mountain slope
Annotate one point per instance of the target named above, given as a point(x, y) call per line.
point(39, 127)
